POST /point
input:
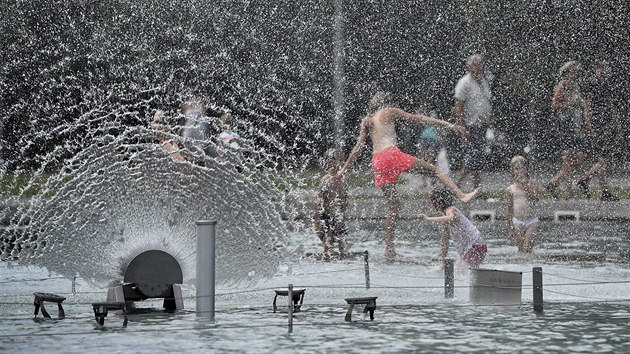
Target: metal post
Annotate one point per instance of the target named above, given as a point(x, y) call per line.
point(290, 293)
point(449, 278)
point(205, 268)
point(367, 270)
point(538, 289)
point(339, 73)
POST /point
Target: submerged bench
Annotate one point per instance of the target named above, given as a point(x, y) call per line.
point(39, 304)
point(101, 309)
point(369, 302)
point(298, 298)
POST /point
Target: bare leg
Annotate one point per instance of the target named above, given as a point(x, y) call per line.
point(461, 174)
point(422, 166)
point(563, 174)
point(476, 179)
point(598, 169)
point(571, 160)
point(528, 238)
point(393, 208)
point(330, 239)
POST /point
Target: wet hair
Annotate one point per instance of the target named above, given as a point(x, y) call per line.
point(227, 118)
point(441, 198)
point(568, 67)
point(381, 99)
point(517, 161)
point(471, 59)
point(332, 154)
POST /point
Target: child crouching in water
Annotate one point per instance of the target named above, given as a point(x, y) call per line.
point(470, 246)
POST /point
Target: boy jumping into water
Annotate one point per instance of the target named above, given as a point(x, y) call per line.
point(470, 246)
point(389, 162)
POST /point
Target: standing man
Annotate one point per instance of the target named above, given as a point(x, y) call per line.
point(473, 110)
point(389, 162)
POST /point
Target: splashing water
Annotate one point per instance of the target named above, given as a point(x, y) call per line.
point(124, 194)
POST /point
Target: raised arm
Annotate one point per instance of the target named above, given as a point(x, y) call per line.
point(509, 213)
point(430, 121)
point(458, 111)
point(448, 216)
point(356, 151)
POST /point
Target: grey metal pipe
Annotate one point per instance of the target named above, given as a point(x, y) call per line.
point(449, 278)
point(290, 293)
point(367, 269)
point(205, 268)
point(537, 277)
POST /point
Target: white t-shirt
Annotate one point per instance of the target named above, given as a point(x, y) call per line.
point(476, 97)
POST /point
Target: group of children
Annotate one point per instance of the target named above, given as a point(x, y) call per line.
point(521, 219)
point(389, 162)
point(194, 127)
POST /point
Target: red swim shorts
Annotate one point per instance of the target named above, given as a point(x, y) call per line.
point(389, 164)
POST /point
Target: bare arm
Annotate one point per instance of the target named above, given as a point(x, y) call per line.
point(421, 118)
point(356, 151)
point(509, 212)
point(458, 111)
point(556, 100)
point(448, 216)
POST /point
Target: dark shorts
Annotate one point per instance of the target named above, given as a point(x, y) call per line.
point(606, 142)
point(474, 148)
point(429, 144)
point(568, 140)
point(337, 227)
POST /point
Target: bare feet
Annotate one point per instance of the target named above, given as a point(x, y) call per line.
point(467, 197)
point(390, 255)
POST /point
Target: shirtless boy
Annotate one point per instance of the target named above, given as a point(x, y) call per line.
point(389, 162)
point(520, 215)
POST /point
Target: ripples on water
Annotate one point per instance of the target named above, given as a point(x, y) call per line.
point(411, 315)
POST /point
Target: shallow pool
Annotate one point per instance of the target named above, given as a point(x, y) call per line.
point(586, 303)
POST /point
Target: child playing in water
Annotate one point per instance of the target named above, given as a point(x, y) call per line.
point(522, 222)
point(470, 246)
point(161, 127)
point(389, 162)
point(332, 204)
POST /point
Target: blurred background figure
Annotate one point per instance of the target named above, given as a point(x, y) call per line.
point(571, 119)
point(603, 99)
point(473, 110)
